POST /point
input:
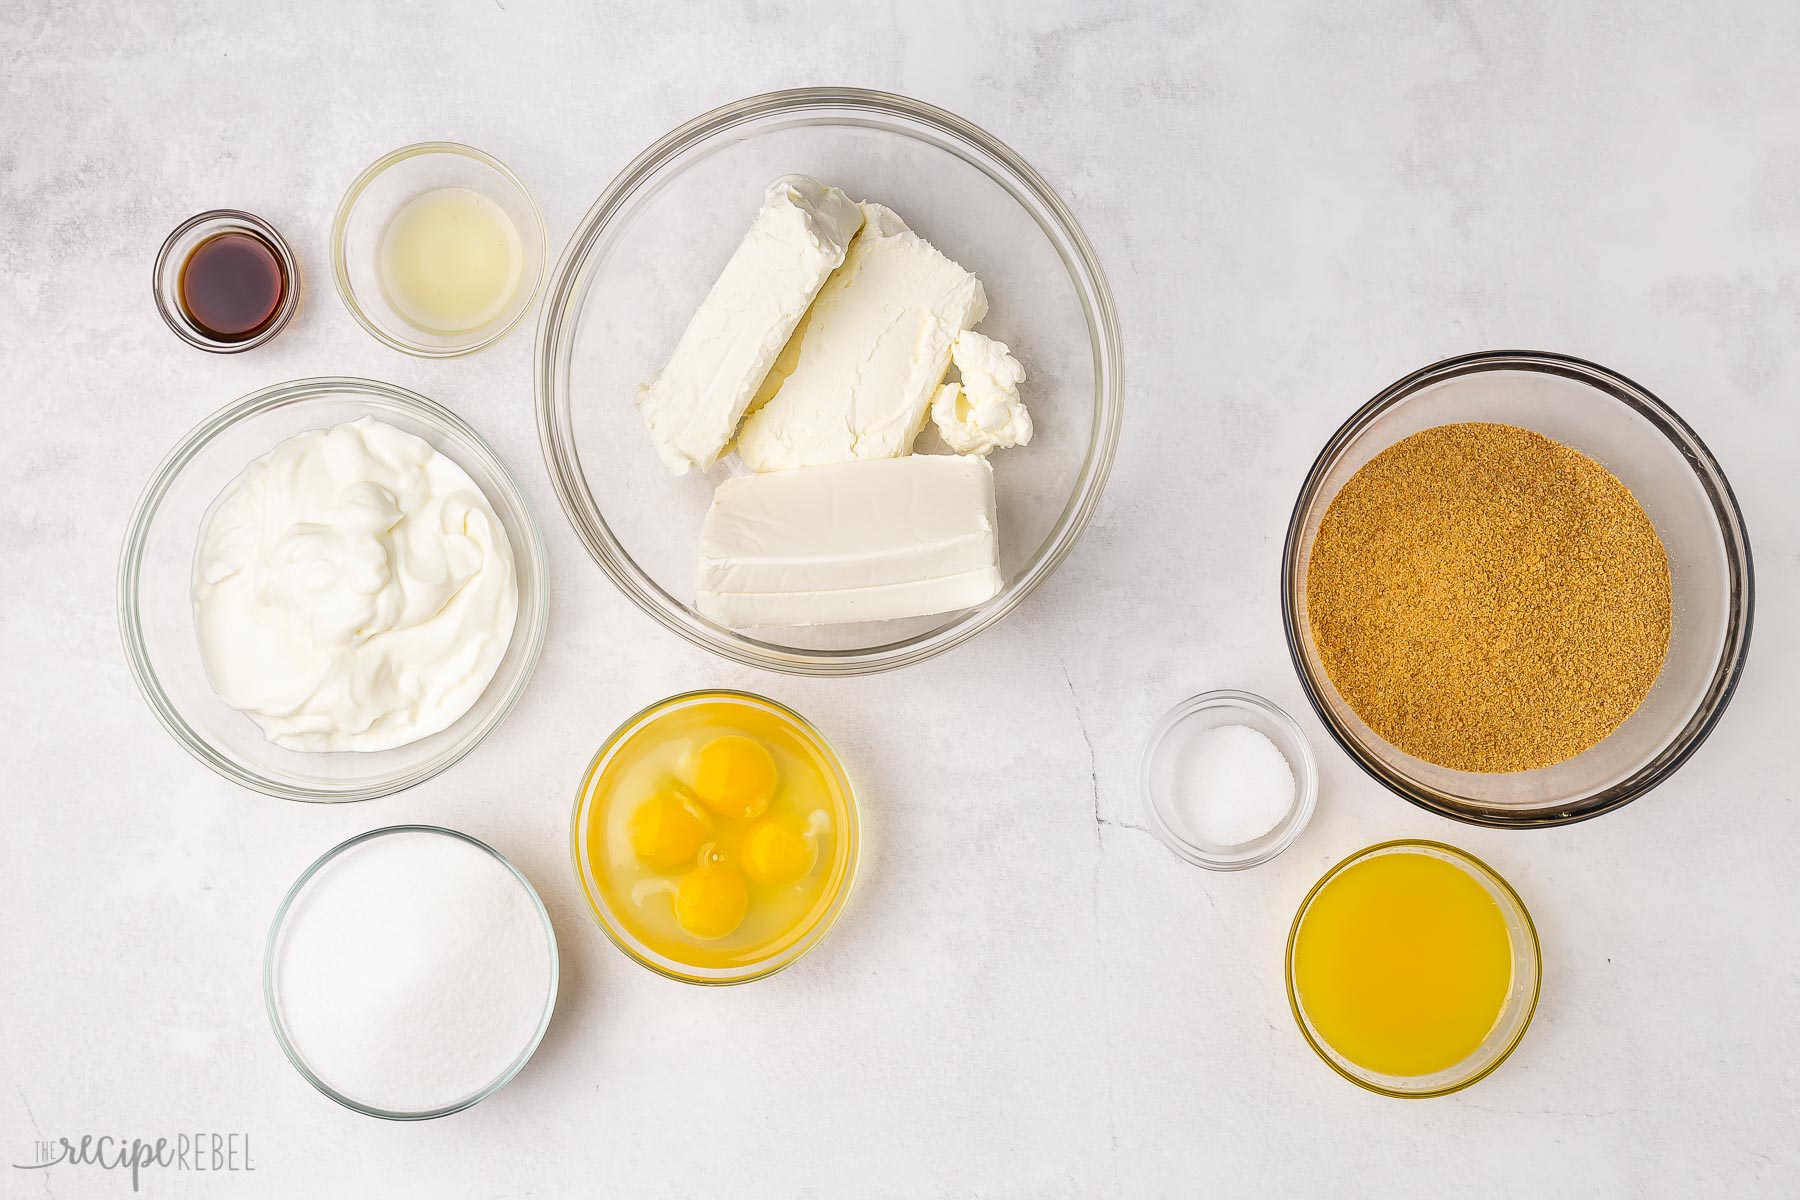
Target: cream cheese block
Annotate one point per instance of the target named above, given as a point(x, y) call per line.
point(799, 237)
point(857, 378)
point(856, 541)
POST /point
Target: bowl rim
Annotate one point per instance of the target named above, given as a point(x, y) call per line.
point(532, 623)
point(1306, 778)
point(340, 221)
point(1739, 564)
point(273, 1011)
point(1005, 168)
point(620, 936)
point(1469, 863)
point(229, 220)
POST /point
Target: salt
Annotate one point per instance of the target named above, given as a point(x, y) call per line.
point(413, 971)
point(1234, 786)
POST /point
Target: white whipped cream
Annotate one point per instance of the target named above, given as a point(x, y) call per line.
point(982, 413)
point(353, 590)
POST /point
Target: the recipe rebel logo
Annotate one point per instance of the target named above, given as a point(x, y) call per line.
point(192, 1152)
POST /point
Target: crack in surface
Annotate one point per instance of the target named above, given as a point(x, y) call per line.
point(1112, 1126)
point(1088, 741)
point(43, 1176)
point(1093, 762)
point(29, 1115)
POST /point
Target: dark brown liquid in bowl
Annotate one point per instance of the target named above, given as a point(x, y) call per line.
point(232, 286)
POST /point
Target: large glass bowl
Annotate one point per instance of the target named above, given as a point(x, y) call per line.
point(647, 252)
point(156, 568)
point(1671, 473)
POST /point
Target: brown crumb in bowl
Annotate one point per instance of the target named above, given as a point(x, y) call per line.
point(1487, 599)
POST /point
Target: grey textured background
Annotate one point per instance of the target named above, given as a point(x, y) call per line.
point(1296, 204)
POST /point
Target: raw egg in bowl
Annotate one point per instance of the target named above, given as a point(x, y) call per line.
point(715, 837)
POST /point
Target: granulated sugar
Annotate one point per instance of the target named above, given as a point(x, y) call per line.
point(413, 971)
point(1234, 785)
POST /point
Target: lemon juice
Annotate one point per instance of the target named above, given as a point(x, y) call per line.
point(451, 260)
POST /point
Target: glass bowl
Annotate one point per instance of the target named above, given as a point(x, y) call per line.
point(156, 614)
point(272, 982)
point(1515, 1016)
point(183, 240)
point(1160, 785)
point(844, 862)
point(646, 254)
point(383, 189)
point(1682, 489)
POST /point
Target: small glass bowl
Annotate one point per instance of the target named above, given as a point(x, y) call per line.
point(165, 282)
point(848, 848)
point(1515, 1016)
point(272, 1006)
point(156, 612)
point(1158, 782)
point(642, 260)
point(1680, 486)
point(383, 189)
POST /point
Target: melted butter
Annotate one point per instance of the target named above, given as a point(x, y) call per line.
point(1403, 963)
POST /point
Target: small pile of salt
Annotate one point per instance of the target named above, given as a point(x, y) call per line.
point(1235, 785)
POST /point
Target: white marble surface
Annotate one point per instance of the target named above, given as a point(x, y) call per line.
point(1029, 997)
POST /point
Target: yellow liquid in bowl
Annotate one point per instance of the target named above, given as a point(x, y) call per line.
point(1403, 963)
point(718, 834)
point(451, 260)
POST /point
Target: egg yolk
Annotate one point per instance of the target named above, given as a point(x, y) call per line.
point(776, 852)
point(665, 832)
point(735, 776)
point(711, 899)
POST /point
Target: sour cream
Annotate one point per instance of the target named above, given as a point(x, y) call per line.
point(353, 590)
